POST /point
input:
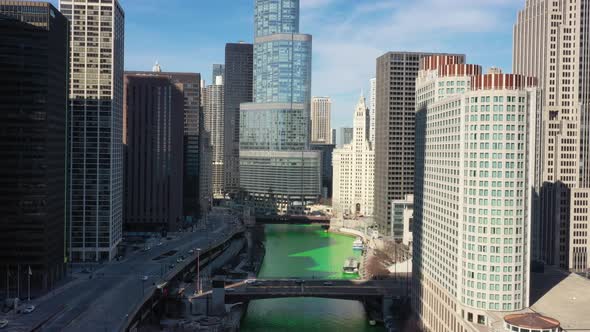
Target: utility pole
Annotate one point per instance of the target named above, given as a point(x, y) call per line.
point(199, 270)
point(7, 281)
point(29, 273)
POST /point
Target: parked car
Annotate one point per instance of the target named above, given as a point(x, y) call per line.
point(29, 309)
point(328, 283)
point(230, 290)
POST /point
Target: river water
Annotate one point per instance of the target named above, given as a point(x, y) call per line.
point(306, 252)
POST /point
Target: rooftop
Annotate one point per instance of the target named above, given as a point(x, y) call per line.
point(531, 321)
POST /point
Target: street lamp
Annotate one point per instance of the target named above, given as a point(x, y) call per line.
point(199, 270)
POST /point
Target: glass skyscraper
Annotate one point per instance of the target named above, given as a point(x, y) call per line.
point(277, 168)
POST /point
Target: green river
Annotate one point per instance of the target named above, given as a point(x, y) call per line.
point(306, 252)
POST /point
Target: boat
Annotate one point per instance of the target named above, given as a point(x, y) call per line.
point(351, 265)
point(358, 244)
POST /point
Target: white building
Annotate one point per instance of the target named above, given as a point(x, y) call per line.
point(551, 39)
point(97, 33)
point(475, 162)
point(321, 130)
point(353, 169)
point(402, 218)
point(373, 108)
point(213, 124)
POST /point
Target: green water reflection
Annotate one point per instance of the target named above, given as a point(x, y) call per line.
point(306, 252)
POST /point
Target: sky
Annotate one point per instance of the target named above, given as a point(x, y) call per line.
point(348, 36)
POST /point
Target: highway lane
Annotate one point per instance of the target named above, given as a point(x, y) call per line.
point(101, 303)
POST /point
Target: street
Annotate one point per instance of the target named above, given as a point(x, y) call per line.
point(100, 301)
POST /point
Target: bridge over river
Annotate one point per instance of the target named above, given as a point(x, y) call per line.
point(361, 290)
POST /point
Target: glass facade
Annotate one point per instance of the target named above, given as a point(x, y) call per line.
point(276, 16)
point(277, 122)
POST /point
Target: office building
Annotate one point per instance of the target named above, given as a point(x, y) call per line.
point(218, 70)
point(394, 132)
point(33, 143)
point(321, 112)
point(326, 151)
point(403, 217)
point(213, 125)
point(190, 86)
point(97, 33)
point(551, 39)
point(154, 116)
point(334, 136)
point(373, 107)
point(345, 137)
point(238, 89)
point(475, 175)
point(353, 166)
point(278, 171)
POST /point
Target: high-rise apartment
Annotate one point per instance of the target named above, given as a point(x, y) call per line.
point(394, 132)
point(190, 86)
point(353, 166)
point(33, 141)
point(372, 107)
point(213, 125)
point(97, 33)
point(278, 171)
point(321, 112)
point(551, 39)
point(475, 175)
point(154, 116)
point(238, 89)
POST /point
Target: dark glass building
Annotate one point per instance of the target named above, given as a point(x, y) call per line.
point(326, 151)
point(33, 143)
point(153, 113)
point(238, 89)
point(190, 86)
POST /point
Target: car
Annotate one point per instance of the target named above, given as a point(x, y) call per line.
point(328, 283)
point(3, 323)
point(190, 252)
point(144, 278)
point(171, 266)
point(85, 271)
point(178, 260)
point(230, 290)
point(250, 281)
point(160, 243)
point(299, 281)
point(28, 309)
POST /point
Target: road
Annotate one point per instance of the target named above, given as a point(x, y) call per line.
point(102, 303)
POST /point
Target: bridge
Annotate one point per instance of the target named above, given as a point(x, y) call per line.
point(360, 290)
point(293, 219)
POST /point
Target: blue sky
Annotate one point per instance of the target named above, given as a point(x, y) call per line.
point(189, 35)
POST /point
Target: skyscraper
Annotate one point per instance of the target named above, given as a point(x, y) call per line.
point(353, 166)
point(218, 70)
point(278, 171)
point(238, 89)
point(321, 112)
point(97, 33)
point(213, 125)
point(154, 116)
point(345, 136)
point(372, 107)
point(334, 136)
point(551, 39)
point(190, 86)
point(394, 133)
point(33, 141)
point(475, 173)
